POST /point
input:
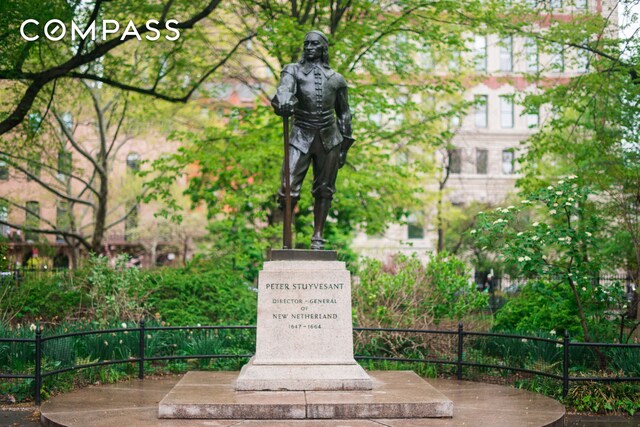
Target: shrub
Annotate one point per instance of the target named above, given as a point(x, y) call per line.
point(49, 297)
point(540, 307)
point(604, 398)
point(406, 293)
point(201, 294)
point(116, 291)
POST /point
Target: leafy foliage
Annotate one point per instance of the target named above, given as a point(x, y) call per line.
point(199, 293)
point(116, 291)
point(556, 240)
point(542, 306)
point(408, 294)
point(401, 111)
point(172, 70)
point(605, 398)
point(46, 296)
point(205, 294)
point(592, 128)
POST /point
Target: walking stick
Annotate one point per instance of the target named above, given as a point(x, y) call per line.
point(286, 231)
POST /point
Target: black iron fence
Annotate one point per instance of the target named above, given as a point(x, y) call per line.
point(504, 282)
point(29, 274)
point(557, 358)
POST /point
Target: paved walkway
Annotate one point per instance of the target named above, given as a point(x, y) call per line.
point(135, 403)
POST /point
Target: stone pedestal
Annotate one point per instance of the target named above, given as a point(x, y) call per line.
point(395, 394)
point(304, 330)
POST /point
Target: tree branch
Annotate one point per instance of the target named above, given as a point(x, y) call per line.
point(118, 127)
point(40, 79)
point(68, 234)
point(92, 18)
point(48, 187)
point(73, 142)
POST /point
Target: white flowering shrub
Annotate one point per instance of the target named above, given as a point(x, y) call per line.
point(553, 236)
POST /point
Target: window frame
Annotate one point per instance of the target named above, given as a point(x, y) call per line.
point(481, 111)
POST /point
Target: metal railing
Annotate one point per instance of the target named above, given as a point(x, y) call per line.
point(464, 345)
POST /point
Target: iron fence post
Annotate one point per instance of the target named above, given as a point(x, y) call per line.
point(565, 365)
point(141, 351)
point(38, 373)
point(460, 342)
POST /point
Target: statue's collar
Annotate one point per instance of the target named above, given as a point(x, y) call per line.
point(308, 67)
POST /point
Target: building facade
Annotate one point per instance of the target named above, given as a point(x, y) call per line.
point(483, 164)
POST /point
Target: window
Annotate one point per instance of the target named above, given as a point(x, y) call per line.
point(557, 58)
point(531, 55)
point(64, 165)
point(454, 122)
point(481, 118)
point(454, 61)
point(507, 162)
point(4, 217)
point(582, 59)
point(402, 157)
point(63, 220)
point(4, 169)
point(506, 54)
point(415, 230)
point(506, 112)
point(67, 120)
point(34, 121)
point(425, 57)
point(32, 220)
point(399, 117)
point(430, 103)
point(482, 161)
point(131, 222)
point(33, 167)
point(533, 120)
point(133, 162)
point(455, 160)
point(376, 118)
point(480, 53)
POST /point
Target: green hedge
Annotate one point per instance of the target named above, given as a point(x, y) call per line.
point(206, 293)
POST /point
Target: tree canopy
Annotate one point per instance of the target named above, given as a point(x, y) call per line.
point(173, 69)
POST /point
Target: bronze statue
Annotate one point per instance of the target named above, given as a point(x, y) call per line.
point(316, 97)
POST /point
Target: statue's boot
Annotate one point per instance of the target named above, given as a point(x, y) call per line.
point(320, 211)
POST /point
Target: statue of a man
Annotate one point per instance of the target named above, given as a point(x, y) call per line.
point(321, 135)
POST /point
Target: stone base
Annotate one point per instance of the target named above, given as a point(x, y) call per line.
point(395, 394)
point(302, 377)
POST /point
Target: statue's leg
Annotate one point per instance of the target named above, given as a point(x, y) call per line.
point(298, 167)
point(320, 212)
point(325, 171)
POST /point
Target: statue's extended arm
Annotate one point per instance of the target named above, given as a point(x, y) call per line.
point(343, 114)
point(284, 100)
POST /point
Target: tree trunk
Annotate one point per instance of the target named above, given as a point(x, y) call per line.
point(441, 186)
point(440, 222)
point(185, 248)
point(101, 214)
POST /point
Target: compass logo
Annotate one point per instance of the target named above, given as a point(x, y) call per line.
point(55, 30)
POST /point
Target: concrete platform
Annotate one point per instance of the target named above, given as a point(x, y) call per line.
point(135, 404)
point(395, 394)
point(271, 377)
